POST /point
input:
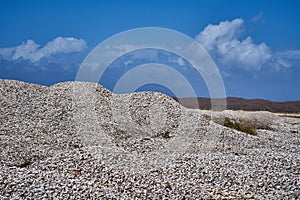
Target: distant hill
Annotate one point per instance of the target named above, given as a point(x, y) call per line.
point(235, 103)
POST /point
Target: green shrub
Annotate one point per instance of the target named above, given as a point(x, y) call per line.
point(240, 126)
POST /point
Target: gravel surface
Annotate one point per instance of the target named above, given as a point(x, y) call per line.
point(77, 140)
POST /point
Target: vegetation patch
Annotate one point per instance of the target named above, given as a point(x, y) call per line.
point(240, 126)
point(246, 126)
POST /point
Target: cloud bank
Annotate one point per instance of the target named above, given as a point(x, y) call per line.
point(224, 43)
point(32, 51)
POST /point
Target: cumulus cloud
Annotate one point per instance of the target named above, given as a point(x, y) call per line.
point(27, 50)
point(7, 53)
point(223, 42)
point(32, 51)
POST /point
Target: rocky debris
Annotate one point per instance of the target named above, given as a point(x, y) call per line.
point(77, 140)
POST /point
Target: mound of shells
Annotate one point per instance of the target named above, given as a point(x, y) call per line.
point(77, 140)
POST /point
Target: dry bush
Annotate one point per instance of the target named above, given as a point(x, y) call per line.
point(247, 122)
point(240, 126)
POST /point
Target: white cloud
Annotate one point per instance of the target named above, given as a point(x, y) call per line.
point(291, 54)
point(213, 35)
point(7, 53)
point(29, 50)
point(223, 42)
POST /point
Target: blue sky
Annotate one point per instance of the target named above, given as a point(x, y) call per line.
point(45, 41)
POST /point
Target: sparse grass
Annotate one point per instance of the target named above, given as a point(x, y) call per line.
point(240, 126)
point(246, 126)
